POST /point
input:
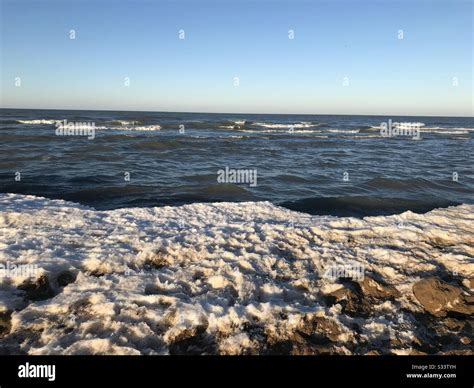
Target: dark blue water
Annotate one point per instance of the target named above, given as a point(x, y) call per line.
point(319, 164)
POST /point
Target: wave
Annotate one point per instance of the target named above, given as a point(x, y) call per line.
point(118, 125)
point(301, 124)
point(343, 130)
point(447, 131)
point(125, 122)
point(413, 124)
point(38, 121)
point(362, 206)
point(155, 127)
point(448, 128)
point(435, 130)
point(279, 131)
point(139, 128)
point(214, 124)
point(225, 190)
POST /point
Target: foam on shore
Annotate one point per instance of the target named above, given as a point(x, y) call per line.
point(145, 279)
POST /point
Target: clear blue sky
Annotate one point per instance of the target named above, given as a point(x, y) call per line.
point(245, 39)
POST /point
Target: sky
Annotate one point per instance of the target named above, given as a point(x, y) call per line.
point(346, 57)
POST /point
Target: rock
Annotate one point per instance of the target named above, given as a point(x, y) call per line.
point(39, 289)
point(373, 289)
point(65, 278)
point(351, 301)
point(373, 353)
point(415, 352)
point(299, 345)
point(279, 348)
point(193, 341)
point(469, 283)
point(314, 335)
point(5, 322)
point(439, 298)
point(434, 334)
point(319, 330)
point(359, 297)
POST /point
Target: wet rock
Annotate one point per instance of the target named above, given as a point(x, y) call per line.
point(373, 289)
point(454, 324)
point(319, 330)
point(5, 322)
point(193, 341)
point(38, 289)
point(469, 284)
point(434, 335)
point(65, 278)
point(314, 335)
point(299, 345)
point(282, 348)
point(97, 273)
point(457, 352)
point(415, 352)
point(359, 297)
point(373, 353)
point(255, 332)
point(197, 345)
point(439, 298)
point(351, 301)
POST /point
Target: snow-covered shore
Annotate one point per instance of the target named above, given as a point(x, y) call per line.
point(232, 278)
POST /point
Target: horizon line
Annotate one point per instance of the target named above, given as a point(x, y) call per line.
point(240, 113)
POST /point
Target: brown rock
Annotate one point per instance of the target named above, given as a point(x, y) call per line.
point(470, 282)
point(5, 322)
point(373, 289)
point(358, 298)
point(439, 298)
point(39, 289)
point(319, 330)
point(373, 353)
point(193, 341)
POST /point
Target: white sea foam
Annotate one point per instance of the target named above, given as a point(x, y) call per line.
point(147, 277)
point(343, 130)
point(131, 127)
point(447, 131)
point(302, 124)
point(287, 130)
point(124, 125)
point(402, 125)
point(441, 130)
point(125, 122)
point(38, 121)
point(142, 128)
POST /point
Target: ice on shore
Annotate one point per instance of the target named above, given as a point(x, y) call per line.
point(227, 278)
